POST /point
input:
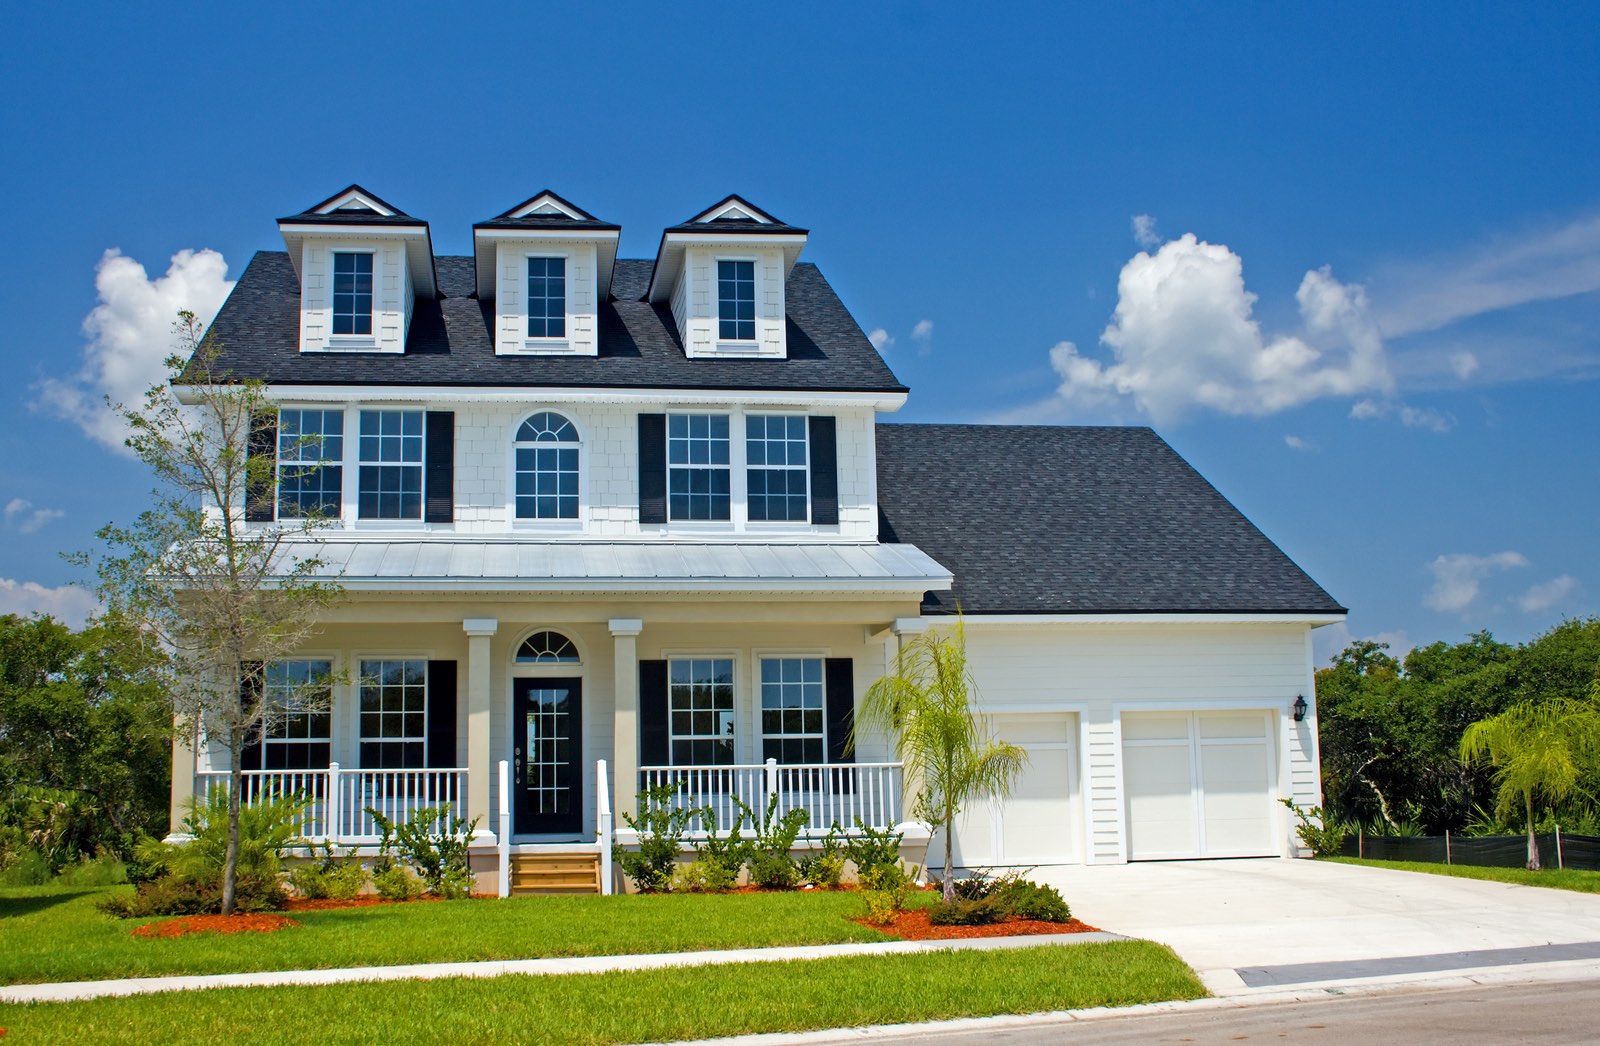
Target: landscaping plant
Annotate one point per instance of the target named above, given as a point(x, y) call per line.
point(704, 876)
point(1316, 833)
point(927, 705)
point(723, 856)
point(871, 848)
point(770, 862)
point(328, 875)
point(983, 898)
point(660, 825)
point(434, 841)
point(885, 889)
point(824, 866)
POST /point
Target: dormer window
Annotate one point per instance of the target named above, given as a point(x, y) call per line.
point(547, 297)
point(736, 300)
point(352, 293)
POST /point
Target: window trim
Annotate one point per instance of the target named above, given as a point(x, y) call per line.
point(804, 470)
point(380, 522)
point(340, 462)
point(739, 520)
point(736, 502)
point(333, 738)
point(534, 341)
point(358, 737)
point(513, 521)
point(738, 344)
point(352, 341)
point(734, 677)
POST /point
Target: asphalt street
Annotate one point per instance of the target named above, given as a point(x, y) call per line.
point(1548, 1014)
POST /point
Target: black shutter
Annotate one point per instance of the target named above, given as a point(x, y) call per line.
point(441, 713)
point(652, 468)
point(261, 482)
point(250, 680)
point(653, 714)
point(839, 681)
point(439, 473)
point(824, 470)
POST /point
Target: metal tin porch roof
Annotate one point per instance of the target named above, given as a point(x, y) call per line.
point(508, 564)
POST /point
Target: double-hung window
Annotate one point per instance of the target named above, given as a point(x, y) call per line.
point(390, 475)
point(547, 468)
point(547, 297)
point(394, 713)
point(736, 300)
point(352, 292)
point(699, 476)
point(700, 711)
point(791, 709)
point(775, 459)
point(297, 696)
point(310, 463)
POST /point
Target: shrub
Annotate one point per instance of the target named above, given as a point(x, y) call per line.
point(329, 875)
point(1316, 833)
point(660, 826)
point(979, 912)
point(774, 871)
point(26, 868)
point(726, 852)
point(435, 842)
point(174, 895)
point(1007, 895)
point(104, 870)
point(983, 883)
point(881, 907)
point(1030, 900)
point(823, 867)
point(885, 888)
point(870, 848)
point(770, 862)
point(703, 876)
point(394, 882)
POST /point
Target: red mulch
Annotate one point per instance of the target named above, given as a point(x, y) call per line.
point(183, 925)
point(914, 926)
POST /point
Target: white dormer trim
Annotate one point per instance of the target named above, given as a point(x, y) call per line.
point(548, 203)
point(355, 199)
point(734, 206)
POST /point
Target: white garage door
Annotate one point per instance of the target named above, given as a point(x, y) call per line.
point(1199, 784)
point(1039, 823)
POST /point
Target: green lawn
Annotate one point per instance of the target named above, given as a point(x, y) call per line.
point(653, 1005)
point(57, 934)
point(1555, 879)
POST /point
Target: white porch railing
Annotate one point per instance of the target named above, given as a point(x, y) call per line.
point(829, 792)
point(339, 798)
point(604, 829)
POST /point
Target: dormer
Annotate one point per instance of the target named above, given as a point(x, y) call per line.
point(546, 264)
point(723, 271)
point(362, 265)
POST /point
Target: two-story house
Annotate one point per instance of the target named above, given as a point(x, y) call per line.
point(604, 523)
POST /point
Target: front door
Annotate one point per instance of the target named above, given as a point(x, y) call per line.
point(547, 783)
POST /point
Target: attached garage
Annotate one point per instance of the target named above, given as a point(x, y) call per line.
point(1199, 784)
point(1040, 822)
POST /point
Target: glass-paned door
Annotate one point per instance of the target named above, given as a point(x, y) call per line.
point(547, 777)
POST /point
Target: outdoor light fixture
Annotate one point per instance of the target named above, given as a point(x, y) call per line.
point(1299, 708)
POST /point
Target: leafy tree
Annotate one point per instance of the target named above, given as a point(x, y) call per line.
point(926, 704)
point(84, 735)
point(225, 597)
point(1539, 749)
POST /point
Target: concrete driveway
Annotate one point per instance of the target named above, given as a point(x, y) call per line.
point(1277, 921)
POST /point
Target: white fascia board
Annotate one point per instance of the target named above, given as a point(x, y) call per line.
point(422, 394)
point(564, 586)
point(1016, 620)
point(353, 231)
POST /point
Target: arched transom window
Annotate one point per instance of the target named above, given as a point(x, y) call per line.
point(547, 648)
point(547, 468)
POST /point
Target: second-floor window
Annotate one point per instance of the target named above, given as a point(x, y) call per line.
point(775, 460)
point(352, 292)
point(390, 470)
point(547, 468)
point(310, 463)
point(547, 297)
point(736, 300)
point(699, 476)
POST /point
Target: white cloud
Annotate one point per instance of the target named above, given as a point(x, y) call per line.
point(130, 334)
point(880, 338)
point(1464, 364)
point(1411, 417)
point(24, 518)
point(1544, 596)
point(1144, 231)
point(1456, 578)
point(1184, 337)
point(922, 334)
point(1297, 443)
point(1539, 266)
point(67, 603)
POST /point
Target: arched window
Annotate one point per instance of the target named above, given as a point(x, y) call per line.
point(547, 648)
point(547, 468)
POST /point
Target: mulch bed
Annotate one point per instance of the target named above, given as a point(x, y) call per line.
point(914, 926)
point(183, 925)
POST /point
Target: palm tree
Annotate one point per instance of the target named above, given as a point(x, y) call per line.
point(927, 705)
point(1538, 748)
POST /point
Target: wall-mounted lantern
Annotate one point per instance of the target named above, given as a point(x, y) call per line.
point(1300, 707)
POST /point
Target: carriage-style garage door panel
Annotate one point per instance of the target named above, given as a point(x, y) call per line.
point(1039, 823)
point(1198, 784)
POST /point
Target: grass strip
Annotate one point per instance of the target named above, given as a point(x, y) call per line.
point(641, 1006)
point(57, 934)
point(1552, 878)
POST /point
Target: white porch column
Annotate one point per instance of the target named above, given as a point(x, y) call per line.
point(625, 717)
point(183, 770)
point(480, 761)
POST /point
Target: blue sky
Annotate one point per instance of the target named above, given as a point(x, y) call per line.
point(1347, 260)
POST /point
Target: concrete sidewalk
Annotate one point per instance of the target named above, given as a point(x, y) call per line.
point(69, 991)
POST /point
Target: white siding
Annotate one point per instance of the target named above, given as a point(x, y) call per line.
point(511, 299)
point(392, 293)
point(1102, 671)
point(694, 303)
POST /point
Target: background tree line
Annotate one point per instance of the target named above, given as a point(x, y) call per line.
point(1391, 729)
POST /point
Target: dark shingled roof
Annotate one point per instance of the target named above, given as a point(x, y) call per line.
point(451, 341)
point(353, 215)
point(1056, 520)
point(585, 220)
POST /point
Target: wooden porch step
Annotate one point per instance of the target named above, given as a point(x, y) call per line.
point(555, 872)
